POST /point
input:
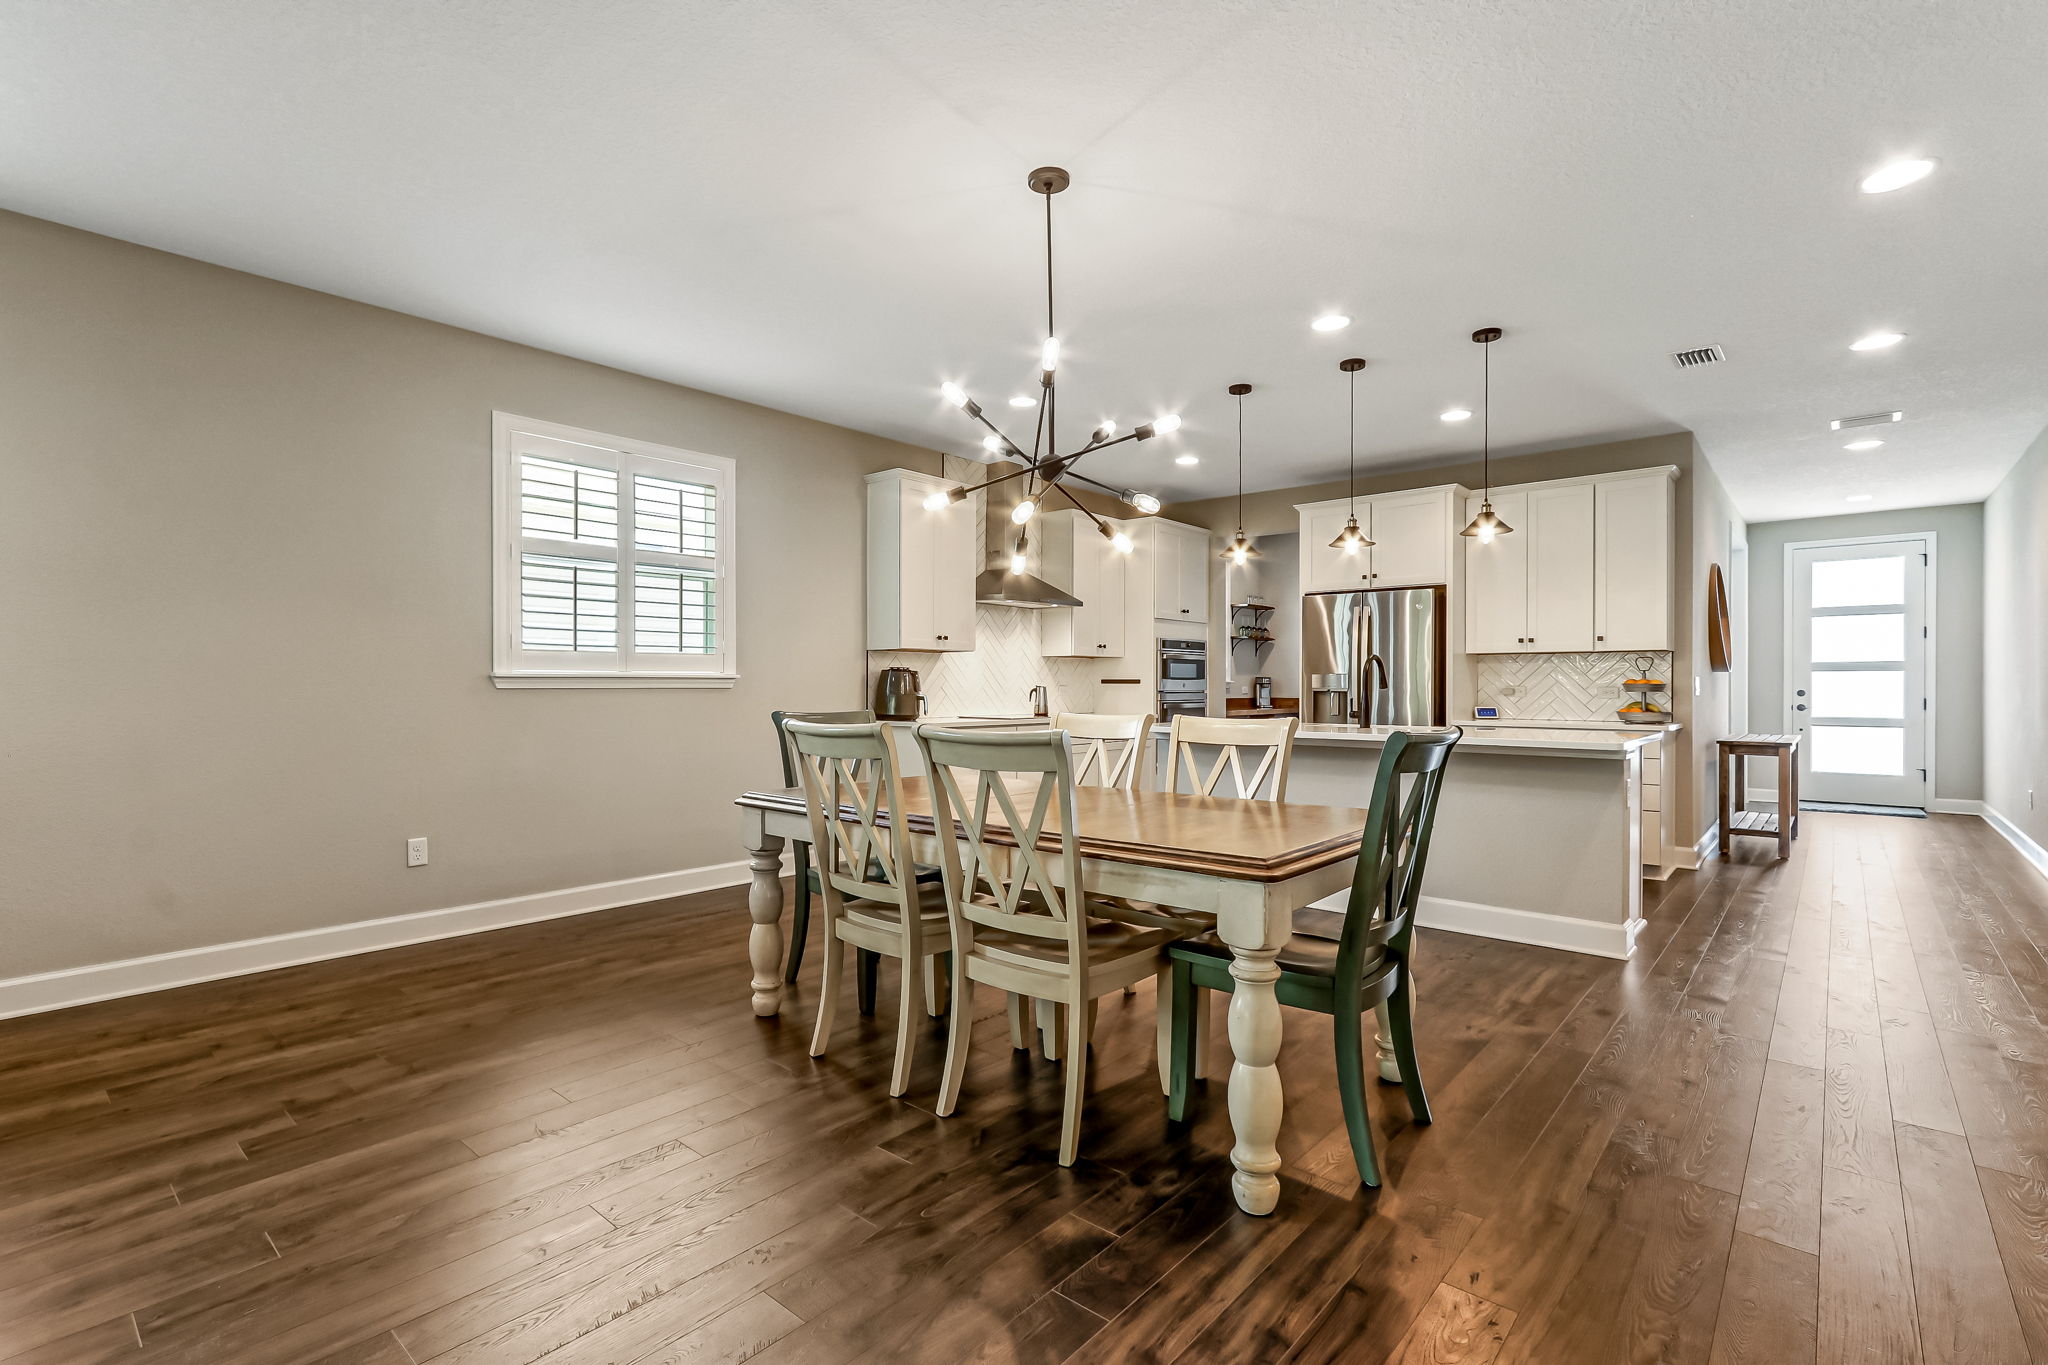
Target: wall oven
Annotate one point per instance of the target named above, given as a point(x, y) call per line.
point(1183, 678)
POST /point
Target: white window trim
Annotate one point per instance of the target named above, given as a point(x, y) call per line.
point(512, 667)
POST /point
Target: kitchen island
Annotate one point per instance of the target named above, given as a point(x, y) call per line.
point(1538, 834)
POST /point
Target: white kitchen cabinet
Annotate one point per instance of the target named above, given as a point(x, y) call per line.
point(920, 565)
point(1497, 580)
point(1180, 571)
point(1411, 533)
point(1074, 555)
point(1560, 532)
point(1587, 567)
point(1632, 532)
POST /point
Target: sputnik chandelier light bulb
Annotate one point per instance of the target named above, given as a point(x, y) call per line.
point(1486, 525)
point(1351, 540)
point(1045, 472)
point(1240, 550)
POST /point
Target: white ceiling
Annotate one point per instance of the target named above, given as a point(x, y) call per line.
point(821, 207)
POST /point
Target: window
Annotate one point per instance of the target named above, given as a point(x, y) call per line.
point(614, 561)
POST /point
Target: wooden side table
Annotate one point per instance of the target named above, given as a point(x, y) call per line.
point(1735, 752)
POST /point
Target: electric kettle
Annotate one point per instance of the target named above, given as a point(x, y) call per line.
point(897, 694)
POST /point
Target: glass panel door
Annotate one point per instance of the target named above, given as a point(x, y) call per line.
point(1857, 660)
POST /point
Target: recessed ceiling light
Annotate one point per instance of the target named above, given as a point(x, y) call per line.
point(1455, 415)
point(1022, 400)
point(1877, 341)
point(1858, 497)
point(1896, 175)
point(1187, 459)
point(1331, 322)
point(1867, 444)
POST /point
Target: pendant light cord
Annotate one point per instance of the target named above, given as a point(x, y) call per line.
point(1240, 466)
point(1052, 400)
point(1351, 460)
point(1486, 419)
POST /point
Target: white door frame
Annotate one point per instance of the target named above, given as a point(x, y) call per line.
point(1927, 611)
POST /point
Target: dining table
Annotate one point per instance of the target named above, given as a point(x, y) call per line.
point(1248, 865)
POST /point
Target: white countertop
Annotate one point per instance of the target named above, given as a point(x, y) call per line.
point(1614, 741)
point(979, 722)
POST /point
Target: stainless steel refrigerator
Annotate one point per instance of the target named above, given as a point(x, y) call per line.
point(1373, 658)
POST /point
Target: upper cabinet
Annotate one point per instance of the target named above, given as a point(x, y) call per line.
point(1587, 567)
point(1411, 531)
point(920, 565)
point(1074, 555)
point(1180, 570)
point(1632, 526)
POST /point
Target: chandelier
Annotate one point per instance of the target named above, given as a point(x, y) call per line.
point(1046, 472)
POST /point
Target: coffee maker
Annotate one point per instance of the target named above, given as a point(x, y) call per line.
point(1262, 693)
point(897, 694)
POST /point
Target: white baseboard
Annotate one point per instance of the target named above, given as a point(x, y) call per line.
point(1706, 846)
point(2017, 837)
point(189, 966)
point(1529, 926)
point(1949, 805)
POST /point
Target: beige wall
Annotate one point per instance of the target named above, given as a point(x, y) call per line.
point(1707, 523)
point(2016, 644)
point(245, 604)
point(1958, 617)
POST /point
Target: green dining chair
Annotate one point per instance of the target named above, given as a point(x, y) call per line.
point(1344, 963)
point(866, 964)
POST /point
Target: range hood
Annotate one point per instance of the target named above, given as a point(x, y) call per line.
point(995, 585)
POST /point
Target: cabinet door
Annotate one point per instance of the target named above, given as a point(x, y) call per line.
point(949, 535)
point(1164, 546)
point(917, 557)
point(1328, 570)
point(1194, 576)
point(1410, 539)
point(1105, 638)
point(1497, 581)
point(1560, 535)
point(1632, 563)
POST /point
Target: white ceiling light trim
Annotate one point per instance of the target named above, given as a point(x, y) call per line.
point(1455, 415)
point(1331, 322)
point(1871, 443)
point(1877, 341)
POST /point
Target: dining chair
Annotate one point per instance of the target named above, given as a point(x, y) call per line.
point(1344, 963)
point(867, 882)
point(1267, 743)
point(1020, 919)
point(807, 876)
point(1092, 741)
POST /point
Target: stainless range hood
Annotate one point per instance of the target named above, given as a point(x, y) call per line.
point(995, 585)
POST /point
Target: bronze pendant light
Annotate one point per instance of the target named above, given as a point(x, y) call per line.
point(1043, 469)
point(1240, 549)
point(1351, 540)
point(1486, 525)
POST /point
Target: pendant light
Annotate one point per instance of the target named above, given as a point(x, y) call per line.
point(1351, 540)
point(1240, 550)
point(1045, 471)
point(1486, 525)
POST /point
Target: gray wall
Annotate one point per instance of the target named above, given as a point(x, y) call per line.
point(1275, 576)
point(2016, 643)
point(245, 600)
point(1958, 622)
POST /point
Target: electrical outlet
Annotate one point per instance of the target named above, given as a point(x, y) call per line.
point(415, 852)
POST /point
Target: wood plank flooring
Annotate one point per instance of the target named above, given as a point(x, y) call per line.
point(1808, 1122)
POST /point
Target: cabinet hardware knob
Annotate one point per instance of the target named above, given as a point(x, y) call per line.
point(1599, 637)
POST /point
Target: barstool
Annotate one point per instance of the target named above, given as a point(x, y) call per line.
point(1735, 819)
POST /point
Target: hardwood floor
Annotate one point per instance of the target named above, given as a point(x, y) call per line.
point(1807, 1123)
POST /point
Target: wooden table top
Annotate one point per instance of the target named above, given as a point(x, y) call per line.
point(1258, 841)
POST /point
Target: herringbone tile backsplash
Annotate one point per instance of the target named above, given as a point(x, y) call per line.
point(995, 678)
point(1564, 686)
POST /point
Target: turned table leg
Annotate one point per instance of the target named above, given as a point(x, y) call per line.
point(764, 907)
point(1255, 1096)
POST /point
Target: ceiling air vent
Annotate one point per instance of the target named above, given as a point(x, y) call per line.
point(1704, 355)
point(1868, 419)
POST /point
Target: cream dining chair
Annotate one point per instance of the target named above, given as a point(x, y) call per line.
point(868, 884)
point(1092, 742)
point(1020, 921)
point(1256, 754)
